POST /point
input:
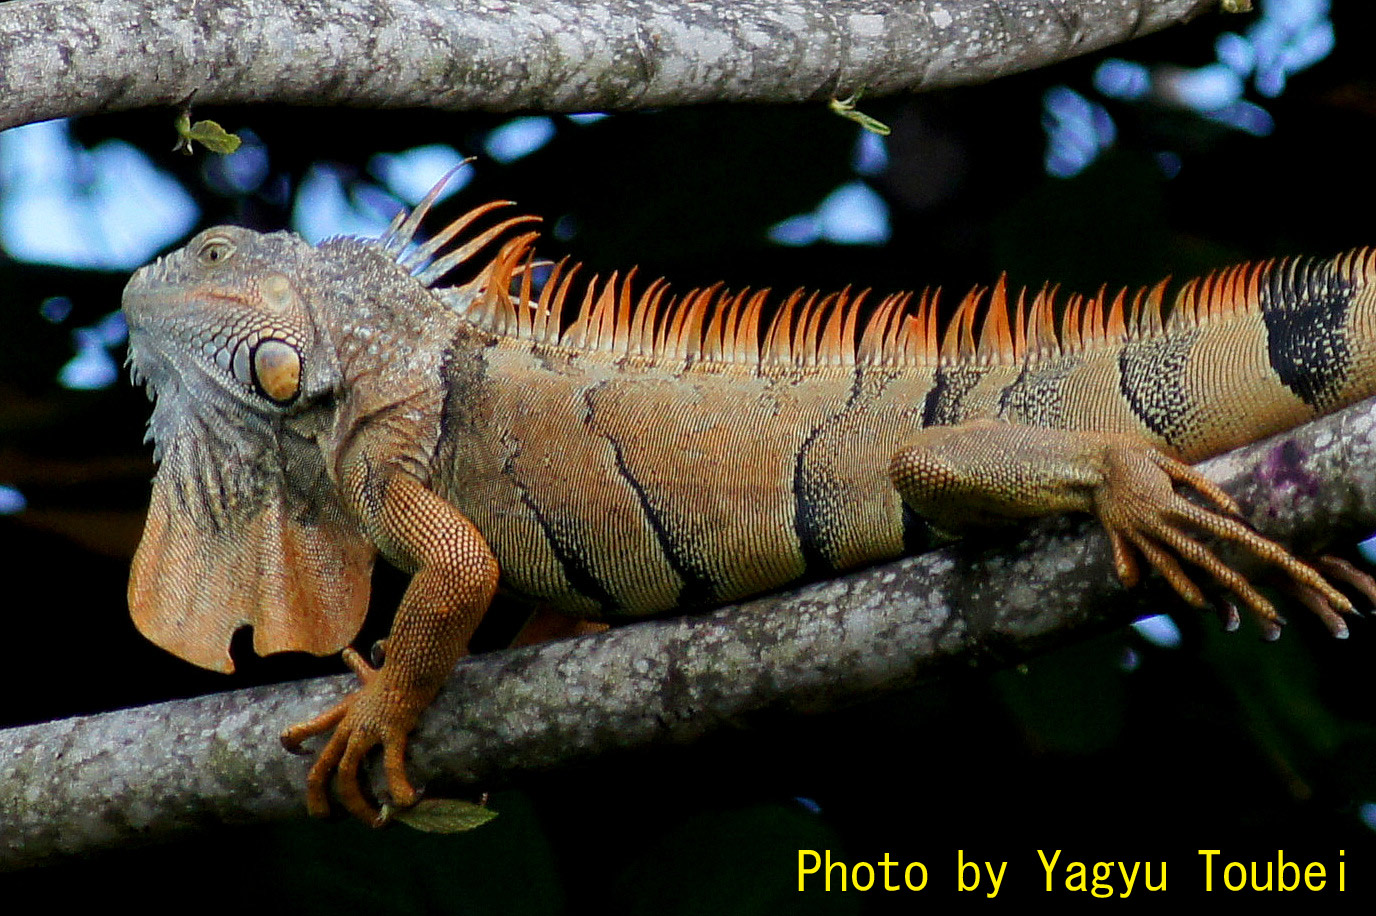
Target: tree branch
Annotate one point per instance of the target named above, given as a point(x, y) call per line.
point(69, 57)
point(142, 774)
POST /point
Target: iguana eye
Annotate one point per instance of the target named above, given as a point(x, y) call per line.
point(277, 370)
point(214, 251)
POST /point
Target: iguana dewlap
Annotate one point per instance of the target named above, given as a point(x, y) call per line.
point(632, 454)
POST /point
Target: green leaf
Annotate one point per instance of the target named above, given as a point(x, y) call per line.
point(442, 815)
point(208, 133)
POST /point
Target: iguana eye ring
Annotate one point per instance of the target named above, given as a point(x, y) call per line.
point(277, 370)
point(215, 251)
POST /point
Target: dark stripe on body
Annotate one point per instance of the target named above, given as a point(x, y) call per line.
point(464, 375)
point(944, 401)
point(809, 522)
point(1305, 310)
point(1035, 396)
point(575, 565)
point(1151, 378)
point(699, 590)
point(812, 524)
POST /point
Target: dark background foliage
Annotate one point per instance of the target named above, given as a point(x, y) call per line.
point(1114, 749)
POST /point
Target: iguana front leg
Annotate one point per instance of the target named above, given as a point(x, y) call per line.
point(987, 471)
point(454, 576)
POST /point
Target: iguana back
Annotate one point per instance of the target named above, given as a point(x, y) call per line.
point(691, 453)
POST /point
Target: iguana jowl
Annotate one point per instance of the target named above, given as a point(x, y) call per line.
point(318, 405)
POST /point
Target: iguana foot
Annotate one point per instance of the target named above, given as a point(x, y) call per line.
point(1138, 505)
point(988, 471)
point(372, 715)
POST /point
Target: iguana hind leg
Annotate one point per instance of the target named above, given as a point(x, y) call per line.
point(986, 471)
point(454, 576)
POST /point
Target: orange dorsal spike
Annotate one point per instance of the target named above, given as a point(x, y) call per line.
point(502, 311)
point(778, 342)
point(895, 344)
point(1037, 344)
point(602, 327)
point(1220, 297)
point(805, 336)
point(996, 334)
point(635, 336)
point(1135, 317)
point(870, 351)
point(690, 339)
point(671, 336)
point(830, 345)
point(674, 320)
point(1117, 322)
point(915, 338)
point(1152, 316)
point(1186, 302)
point(659, 344)
point(621, 328)
point(721, 317)
point(731, 330)
point(910, 341)
point(441, 238)
point(1020, 328)
point(969, 309)
point(927, 351)
point(887, 341)
point(1239, 294)
point(525, 309)
point(576, 334)
point(1070, 324)
point(1245, 299)
point(1254, 284)
point(449, 261)
point(748, 336)
point(848, 329)
point(556, 317)
point(1094, 331)
point(826, 310)
point(1209, 290)
point(540, 332)
point(1051, 343)
point(651, 322)
point(953, 344)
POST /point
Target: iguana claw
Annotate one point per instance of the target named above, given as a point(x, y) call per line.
point(1139, 506)
point(370, 716)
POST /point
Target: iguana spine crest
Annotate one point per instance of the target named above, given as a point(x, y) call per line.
point(718, 326)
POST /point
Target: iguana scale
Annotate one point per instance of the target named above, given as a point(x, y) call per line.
point(316, 406)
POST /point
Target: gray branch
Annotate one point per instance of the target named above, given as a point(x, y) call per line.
point(143, 774)
point(69, 57)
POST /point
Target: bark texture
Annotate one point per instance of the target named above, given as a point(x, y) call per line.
point(70, 57)
point(143, 774)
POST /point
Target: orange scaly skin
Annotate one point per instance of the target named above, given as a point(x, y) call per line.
point(316, 406)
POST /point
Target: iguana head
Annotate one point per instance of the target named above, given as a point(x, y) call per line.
point(244, 528)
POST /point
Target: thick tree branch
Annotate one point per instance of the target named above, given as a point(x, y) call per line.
point(68, 57)
point(141, 774)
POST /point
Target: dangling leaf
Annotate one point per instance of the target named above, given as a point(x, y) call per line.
point(846, 109)
point(441, 815)
point(207, 133)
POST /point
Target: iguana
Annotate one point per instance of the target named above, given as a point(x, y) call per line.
point(315, 406)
